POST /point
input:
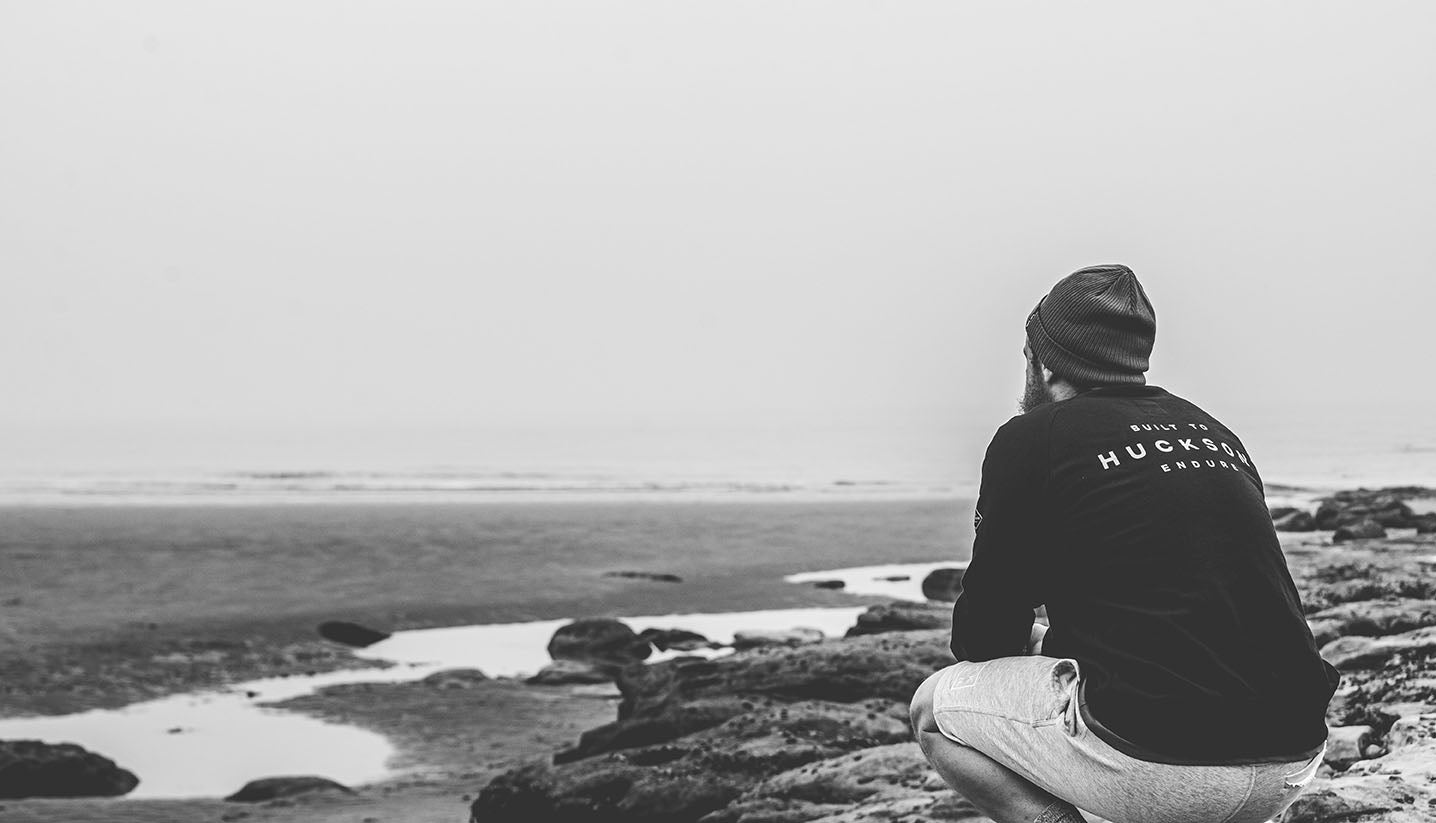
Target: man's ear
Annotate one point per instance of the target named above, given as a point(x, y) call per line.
point(1047, 376)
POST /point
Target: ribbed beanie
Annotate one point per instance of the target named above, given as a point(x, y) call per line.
point(1095, 327)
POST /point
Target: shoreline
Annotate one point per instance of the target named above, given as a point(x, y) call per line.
point(78, 641)
point(446, 749)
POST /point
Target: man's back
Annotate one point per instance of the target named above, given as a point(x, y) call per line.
point(1140, 522)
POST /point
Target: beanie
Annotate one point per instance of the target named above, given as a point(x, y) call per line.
point(1095, 327)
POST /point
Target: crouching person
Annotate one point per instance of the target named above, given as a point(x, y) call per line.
point(1178, 681)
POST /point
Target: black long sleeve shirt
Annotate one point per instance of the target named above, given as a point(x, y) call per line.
point(1141, 523)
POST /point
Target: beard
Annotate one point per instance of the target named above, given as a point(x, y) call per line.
point(1036, 392)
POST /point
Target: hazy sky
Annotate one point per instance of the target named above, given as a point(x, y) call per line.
point(395, 213)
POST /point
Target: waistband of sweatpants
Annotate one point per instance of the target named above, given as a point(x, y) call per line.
point(1139, 752)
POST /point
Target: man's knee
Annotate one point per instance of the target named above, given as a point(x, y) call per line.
point(920, 710)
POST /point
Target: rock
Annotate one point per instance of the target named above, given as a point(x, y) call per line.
point(901, 616)
point(701, 774)
point(1326, 515)
point(1425, 524)
point(1408, 732)
point(350, 634)
point(271, 788)
point(796, 636)
point(676, 639)
point(829, 584)
point(1296, 521)
point(943, 584)
point(1372, 618)
point(1364, 529)
point(1278, 512)
point(1386, 507)
point(565, 672)
point(1397, 788)
point(659, 577)
point(894, 578)
point(667, 700)
point(599, 640)
point(455, 679)
point(883, 783)
point(1347, 744)
point(30, 768)
point(1375, 652)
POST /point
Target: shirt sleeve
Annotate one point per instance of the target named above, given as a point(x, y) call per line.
point(1006, 577)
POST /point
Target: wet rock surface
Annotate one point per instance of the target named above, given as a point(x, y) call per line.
point(565, 672)
point(817, 733)
point(274, 788)
point(798, 636)
point(676, 639)
point(31, 768)
point(901, 616)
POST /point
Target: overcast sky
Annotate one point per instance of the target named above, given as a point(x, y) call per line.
point(405, 213)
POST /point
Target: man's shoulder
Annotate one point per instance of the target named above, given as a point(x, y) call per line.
point(1028, 424)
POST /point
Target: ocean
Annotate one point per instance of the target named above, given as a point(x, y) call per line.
point(807, 460)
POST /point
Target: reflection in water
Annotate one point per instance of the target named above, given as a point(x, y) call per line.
point(209, 744)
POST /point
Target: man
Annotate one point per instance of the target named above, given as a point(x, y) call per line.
point(1178, 681)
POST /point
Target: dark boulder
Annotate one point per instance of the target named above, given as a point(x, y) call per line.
point(1327, 515)
point(1360, 530)
point(829, 584)
point(350, 634)
point(1425, 523)
point(1295, 521)
point(272, 788)
point(599, 640)
point(1278, 512)
point(677, 640)
point(30, 768)
point(901, 616)
point(943, 584)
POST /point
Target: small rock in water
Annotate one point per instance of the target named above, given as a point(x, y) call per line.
point(598, 640)
point(350, 634)
point(271, 788)
point(829, 584)
point(455, 679)
point(660, 577)
point(30, 768)
point(798, 636)
point(895, 578)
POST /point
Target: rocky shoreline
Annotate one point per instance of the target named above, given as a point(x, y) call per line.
point(817, 732)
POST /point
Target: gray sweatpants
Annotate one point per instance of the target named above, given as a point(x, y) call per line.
point(1022, 712)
